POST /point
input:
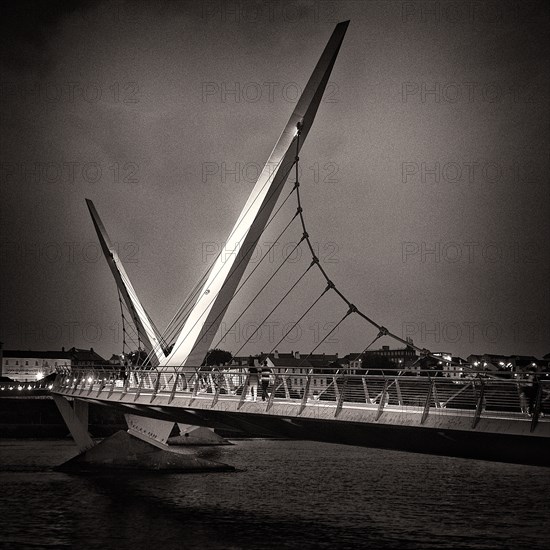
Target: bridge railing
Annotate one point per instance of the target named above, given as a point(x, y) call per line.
point(478, 395)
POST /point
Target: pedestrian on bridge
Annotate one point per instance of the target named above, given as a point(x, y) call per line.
point(253, 380)
point(265, 377)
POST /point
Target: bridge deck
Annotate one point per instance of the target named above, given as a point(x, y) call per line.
point(430, 401)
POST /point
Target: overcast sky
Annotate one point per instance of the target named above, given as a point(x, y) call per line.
point(424, 177)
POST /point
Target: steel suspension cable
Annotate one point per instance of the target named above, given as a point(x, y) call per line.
point(188, 300)
point(222, 312)
point(263, 287)
point(349, 312)
point(131, 293)
point(180, 325)
point(383, 330)
point(123, 323)
point(250, 275)
point(328, 287)
point(379, 335)
point(266, 255)
point(125, 333)
point(233, 270)
point(278, 304)
point(182, 317)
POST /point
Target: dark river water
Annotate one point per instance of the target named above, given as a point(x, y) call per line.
point(288, 494)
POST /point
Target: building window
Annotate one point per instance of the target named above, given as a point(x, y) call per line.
point(26, 362)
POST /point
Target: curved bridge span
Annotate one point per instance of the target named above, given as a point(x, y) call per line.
point(472, 418)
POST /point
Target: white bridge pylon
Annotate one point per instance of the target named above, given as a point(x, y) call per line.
point(204, 318)
point(195, 338)
point(148, 333)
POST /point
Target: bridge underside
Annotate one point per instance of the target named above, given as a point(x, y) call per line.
point(492, 439)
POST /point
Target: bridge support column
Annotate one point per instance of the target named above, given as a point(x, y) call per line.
point(132, 450)
point(196, 435)
point(154, 431)
point(150, 429)
point(136, 449)
point(123, 451)
point(76, 419)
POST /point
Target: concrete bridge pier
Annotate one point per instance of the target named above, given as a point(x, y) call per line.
point(131, 450)
point(75, 416)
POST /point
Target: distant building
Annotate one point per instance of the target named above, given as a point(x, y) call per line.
point(512, 363)
point(451, 366)
point(526, 362)
point(402, 358)
point(85, 358)
point(29, 365)
point(241, 361)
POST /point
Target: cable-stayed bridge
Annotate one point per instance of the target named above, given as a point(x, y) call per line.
point(478, 417)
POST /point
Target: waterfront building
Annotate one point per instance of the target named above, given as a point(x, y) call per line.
point(32, 365)
point(29, 366)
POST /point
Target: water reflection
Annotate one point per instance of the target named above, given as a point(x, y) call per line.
point(286, 494)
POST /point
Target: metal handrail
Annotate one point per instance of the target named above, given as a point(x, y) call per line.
point(476, 396)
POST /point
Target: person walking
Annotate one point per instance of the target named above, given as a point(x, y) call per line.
point(265, 376)
point(524, 389)
point(533, 394)
point(253, 380)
